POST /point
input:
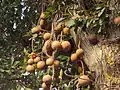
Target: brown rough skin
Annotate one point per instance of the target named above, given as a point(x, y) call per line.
point(46, 36)
point(74, 57)
point(66, 46)
point(84, 80)
point(66, 30)
point(30, 61)
point(117, 20)
point(80, 52)
point(37, 59)
point(50, 61)
point(47, 79)
point(40, 64)
point(36, 29)
point(56, 45)
point(30, 68)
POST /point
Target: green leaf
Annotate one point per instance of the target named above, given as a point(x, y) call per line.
point(101, 12)
point(70, 23)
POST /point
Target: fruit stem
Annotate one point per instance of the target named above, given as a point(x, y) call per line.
point(82, 67)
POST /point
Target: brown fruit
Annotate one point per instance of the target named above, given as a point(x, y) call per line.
point(66, 46)
point(66, 30)
point(49, 61)
point(84, 80)
point(56, 63)
point(46, 36)
point(37, 59)
point(58, 28)
point(74, 57)
point(93, 39)
point(56, 45)
point(80, 52)
point(30, 61)
point(40, 64)
point(117, 20)
point(42, 22)
point(47, 79)
point(30, 68)
point(42, 16)
point(36, 29)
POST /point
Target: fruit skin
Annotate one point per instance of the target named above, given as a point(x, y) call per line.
point(74, 57)
point(56, 45)
point(66, 30)
point(36, 29)
point(42, 22)
point(86, 80)
point(93, 39)
point(56, 63)
point(46, 87)
point(30, 68)
point(66, 46)
point(117, 20)
point(80, 52)
point(58, 28)
point(46, 36)
point(37, 59)
point(47, 79)
point(40, 64)
point(50, 61)
point(42, 16)
point(30, 61)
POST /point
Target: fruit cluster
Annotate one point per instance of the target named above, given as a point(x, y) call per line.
point(51, 47)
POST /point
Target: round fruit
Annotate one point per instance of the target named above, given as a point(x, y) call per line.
point(47, 79)
point(80, 52)
point(56, 45)
point(93, 39)
point(74, 57)
point(36, 29)
point(46, 36)
point(117, 20)
point(66, 30)
point(30, 61)
point(49, 61)
point(40, 64)
point(66, 46)
point(84, 80)
point(42, 22)
point(56, 63)
point(42, 16)
point(44, 85)
point(37, 59)
point(30, 68)
point(58, 28)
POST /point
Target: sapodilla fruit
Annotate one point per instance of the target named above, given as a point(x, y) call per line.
point(80, 52)
point(46, 36)
point(49, 61)
point(44, 86)
point(30, 68)
point(40, 64)
point(56, 45)
point(36, 29)
point(117, 20)
point(66, 30)
point(74, 57)
point(66, 46)
point(37, 59)
point(84, 80)
point(58, 28)
point(47, 79)
point(30, 61)
point(56, 63)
